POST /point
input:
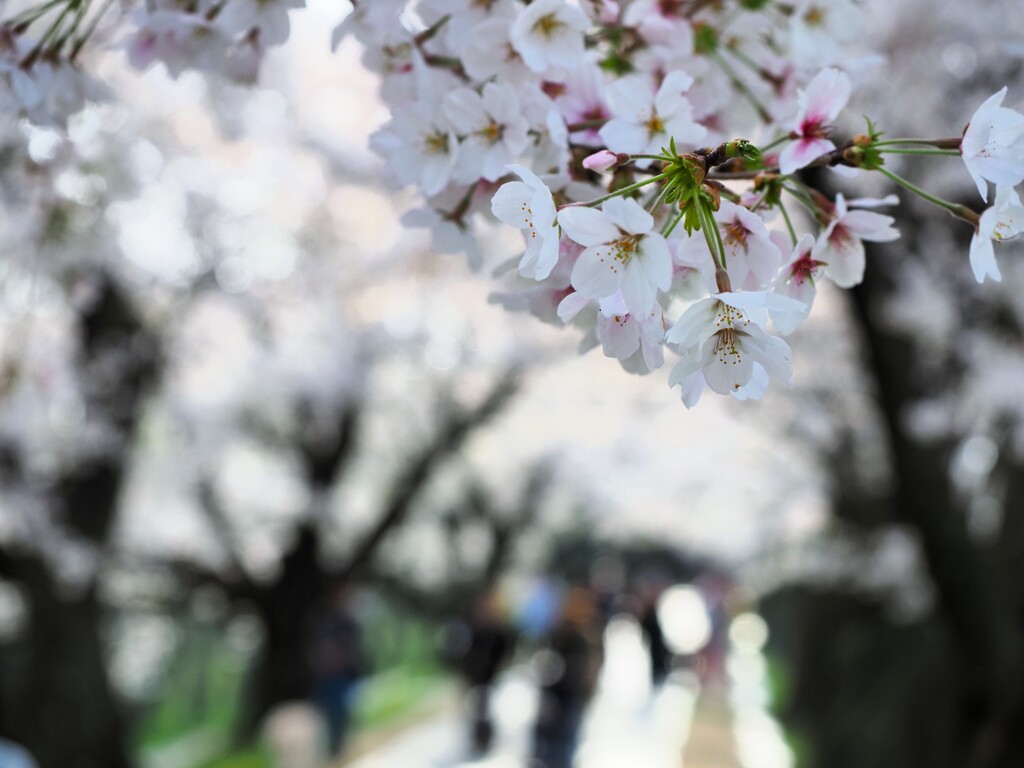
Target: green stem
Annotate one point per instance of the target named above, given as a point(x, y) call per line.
point(742, 87)
point(432, 30)
point(953, 143)
point(804, 199)
point(712, 236)
point(91, 28)
point(79, 18)
point(619, 192)
point(789, 224)
point(654, 205)
point(774, 144)
point(961, 212)
point(31, 14)
point(672, 225)
point(52, 32)
point(936, 152)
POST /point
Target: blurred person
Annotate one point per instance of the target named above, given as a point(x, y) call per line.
point(569, 668)
point(607, 581)
point(715, 587)
point(540, 608)
point(479, 648)
point(649, 593)
point(338, 665)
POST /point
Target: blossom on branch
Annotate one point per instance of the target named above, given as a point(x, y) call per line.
point(644, 121)
point(1003, 221)
point(549, 33)
point(621, 253)
point(841, 246)
point(528, 206)
point(993, 145)
point(723, 344)
point(820, 104)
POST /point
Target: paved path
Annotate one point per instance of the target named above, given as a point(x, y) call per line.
point(627, 724)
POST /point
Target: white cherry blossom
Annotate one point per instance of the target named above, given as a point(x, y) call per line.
point(841, 245)
point(466, 17)
point(270, 17)
point(645, 121)
point(722, 340)
point(661, 23)
point(633, 340)
point(620, 253)
point(549, 33)
point(581, 98)
point(751, 258)
point(818, 29)
point(797, 281)
point(1003, 221)
point(420, 147)
point(488, 52)
point(993, 145)
point(528, 205)
point(493, 130)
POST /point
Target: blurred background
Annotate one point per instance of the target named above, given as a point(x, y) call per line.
point(281, 487)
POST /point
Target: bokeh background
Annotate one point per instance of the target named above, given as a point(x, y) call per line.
point(272, 473)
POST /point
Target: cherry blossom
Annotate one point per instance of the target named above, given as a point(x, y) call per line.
point(841, 245)
point(752, 259)
point(420, 148)
point(270, 17)
point(1003, 221)
point(644, 121)
point(797, 281)
point(993, 145)
point(528, 205)
point(549, 33)
point(722, 340)
point(819, 28)
point(494, 132)
point(488, 52)
point(635, 341)
point(621, 253)
point(820, 104)
point(581, 123)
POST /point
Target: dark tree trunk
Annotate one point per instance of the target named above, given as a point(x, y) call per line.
point(857, 698)
point(67, 715)
point(287, 609)
point(66, 712)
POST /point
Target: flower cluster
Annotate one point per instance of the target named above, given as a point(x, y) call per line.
point(574, 106)
point(611, 126)
point(606, 132)
point(41, 77)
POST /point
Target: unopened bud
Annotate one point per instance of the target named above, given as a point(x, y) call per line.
point(862, 140)
point(604, 160)
point(853, 156)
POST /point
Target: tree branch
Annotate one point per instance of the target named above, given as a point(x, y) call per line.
point(448, 439)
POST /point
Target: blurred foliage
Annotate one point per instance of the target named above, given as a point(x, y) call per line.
point(199, 692)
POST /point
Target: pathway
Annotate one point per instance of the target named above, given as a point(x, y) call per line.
point(626, 724)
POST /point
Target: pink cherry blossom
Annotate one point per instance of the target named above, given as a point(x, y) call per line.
point(820, 104)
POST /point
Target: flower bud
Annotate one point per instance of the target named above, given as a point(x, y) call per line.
point(604, 160)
